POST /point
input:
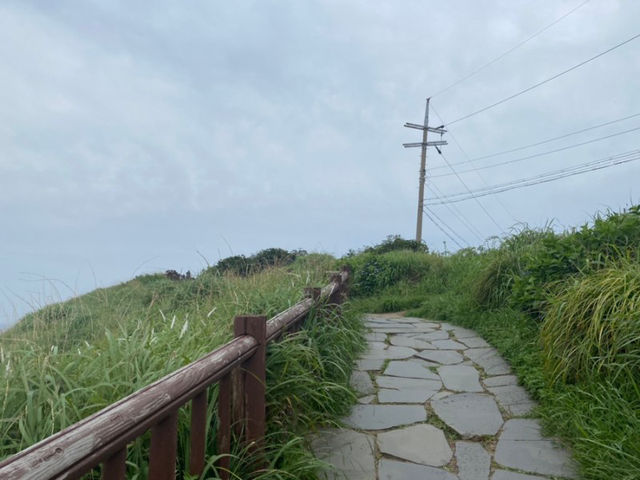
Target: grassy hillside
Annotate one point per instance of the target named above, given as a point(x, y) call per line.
point(71, 359)
point(562, 308)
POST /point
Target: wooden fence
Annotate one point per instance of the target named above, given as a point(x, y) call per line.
point(238, 367)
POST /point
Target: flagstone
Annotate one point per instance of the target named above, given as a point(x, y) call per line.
point(424, 444)
point(474, 463)
point(361, 382)
point(351, 453)
point(381, 417)
point(469, 414)
point(403, 341)
point(394, 470)
point(446, 357)
point(500, 380)
point(411, 368)
point(460, 378)
point(521, 447)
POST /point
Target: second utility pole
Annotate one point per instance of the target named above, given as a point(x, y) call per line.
point(423, 162)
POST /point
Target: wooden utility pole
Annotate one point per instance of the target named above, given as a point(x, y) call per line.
point(423, 162)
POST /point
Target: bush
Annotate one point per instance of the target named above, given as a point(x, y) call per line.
point(557, 257)
point(372, 273)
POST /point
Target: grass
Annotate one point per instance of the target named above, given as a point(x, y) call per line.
point(69, 360)
point(562, 309)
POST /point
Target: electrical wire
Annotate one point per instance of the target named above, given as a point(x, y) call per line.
point(507, 52)
point(453, 209)
point(450, 228)
point(464, 152)
point(600, 164)
point(469, 190)
point(442, 229)
point(535, 155)
point(536, 144)
point(547, 80)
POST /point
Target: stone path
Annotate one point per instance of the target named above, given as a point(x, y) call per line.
point(437, 403)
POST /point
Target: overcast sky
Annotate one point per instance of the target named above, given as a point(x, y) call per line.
point(142, 136)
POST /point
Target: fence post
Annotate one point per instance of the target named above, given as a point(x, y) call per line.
point(336, 296)
point(312, 292)
point(253, 382)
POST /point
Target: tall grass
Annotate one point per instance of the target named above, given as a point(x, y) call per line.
point(53, 374)
point(592, 327)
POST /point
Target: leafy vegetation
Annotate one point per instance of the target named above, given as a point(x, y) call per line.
point(563, 308)
point(67, 361)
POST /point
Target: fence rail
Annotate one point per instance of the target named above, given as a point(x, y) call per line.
point(239, 368)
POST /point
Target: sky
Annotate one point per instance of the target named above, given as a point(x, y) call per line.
point(138, 137)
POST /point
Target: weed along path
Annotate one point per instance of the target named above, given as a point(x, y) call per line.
point(437, 403)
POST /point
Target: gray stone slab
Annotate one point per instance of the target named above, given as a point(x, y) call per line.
point(371, 364)
point(513, 399)
point(474, 342)
point(386, 381)
point(375, 347)
point(448, 345)
point(407, 395)
point(391, 352)
point(460, 378)
point(423, 444)
point(522, 429)
point(394, 329)
point(445, 357)
point(394, 470)
point(500, 380)
point(366, 400)
point(474, 463)
point(437, 335)
point(469, 414)
point(381, 417)
point(489, 359)
point(361, 383)
point(375, 337)
point(403, 341)
point(460, 332)
point(411, 368)
point(521, 409)
point(352, 454)
point(447, 326)
point(406, 390)
point(442, 394)
point(506, 475)
point(510, 394)
point(520, 447)
point(422, 321)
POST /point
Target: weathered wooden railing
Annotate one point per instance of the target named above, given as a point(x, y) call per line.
point(238, 366)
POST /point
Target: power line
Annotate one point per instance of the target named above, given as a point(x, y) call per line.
point(442, 229)
point(600, 164)
point(447, 226)
point(453, 209)
point(507, 52)
point(535, 155)
point(469, 190)
point(536, 144)
point(557, 75)
point(467, 157)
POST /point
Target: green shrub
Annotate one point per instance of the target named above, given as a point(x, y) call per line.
point(372, 273)
point(556, 257)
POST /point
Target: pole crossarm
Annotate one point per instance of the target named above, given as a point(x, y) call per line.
point(439, 130)
point(435, 143)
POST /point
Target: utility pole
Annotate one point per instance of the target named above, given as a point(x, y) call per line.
point(423, 161)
